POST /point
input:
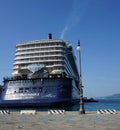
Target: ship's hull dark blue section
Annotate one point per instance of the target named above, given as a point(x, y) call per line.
point(39, 92)
point(35, 103)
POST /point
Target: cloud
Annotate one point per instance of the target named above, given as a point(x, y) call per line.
point(78, 9)
point(65, 29)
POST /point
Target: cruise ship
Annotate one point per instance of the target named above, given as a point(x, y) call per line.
point(44, 74)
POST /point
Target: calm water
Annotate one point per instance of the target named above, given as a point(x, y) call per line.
point(102, 104)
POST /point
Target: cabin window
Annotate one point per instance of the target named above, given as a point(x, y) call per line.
point(20, 90)
point(34, 89)
point(40, 89)
point(27, 90)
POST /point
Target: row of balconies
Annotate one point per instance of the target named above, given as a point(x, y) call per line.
point(36, 61)
point(68, 67)
point(38, 51)
point(54, 67)
point(37, 56)
point(24, 66)
point(44, 42)
point(39, 47)
point(42, 58)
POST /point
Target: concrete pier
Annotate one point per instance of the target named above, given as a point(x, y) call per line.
point(68, 121)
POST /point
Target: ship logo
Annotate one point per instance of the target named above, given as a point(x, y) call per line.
point(35, 67)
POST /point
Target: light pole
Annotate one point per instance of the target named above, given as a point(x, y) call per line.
point(82, 110)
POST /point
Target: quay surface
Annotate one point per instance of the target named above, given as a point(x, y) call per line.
point(69, 121)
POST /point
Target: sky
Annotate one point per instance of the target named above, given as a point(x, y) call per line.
point(96, 23)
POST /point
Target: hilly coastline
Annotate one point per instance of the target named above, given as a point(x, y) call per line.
point(114, 96)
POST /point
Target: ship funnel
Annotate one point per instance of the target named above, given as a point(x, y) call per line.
point(50, 35)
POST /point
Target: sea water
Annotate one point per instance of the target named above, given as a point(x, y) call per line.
point(101, 104)
point(94, 106)
point(91, 106)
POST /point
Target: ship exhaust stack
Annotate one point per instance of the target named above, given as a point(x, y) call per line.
point(50, 35)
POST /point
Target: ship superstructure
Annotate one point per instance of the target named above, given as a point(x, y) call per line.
point(55, 55)
point(44, 74)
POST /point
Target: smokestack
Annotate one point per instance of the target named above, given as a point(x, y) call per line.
point(50, 35)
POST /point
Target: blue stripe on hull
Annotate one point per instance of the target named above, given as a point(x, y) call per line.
point(35, 103)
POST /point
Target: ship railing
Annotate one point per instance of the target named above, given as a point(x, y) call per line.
point(27, 77)
point(14, 78)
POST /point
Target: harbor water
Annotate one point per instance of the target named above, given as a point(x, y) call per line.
point(102, 104)
point(91, 106)
point(94, 106)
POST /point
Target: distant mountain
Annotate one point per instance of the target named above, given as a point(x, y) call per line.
point(114, 96)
